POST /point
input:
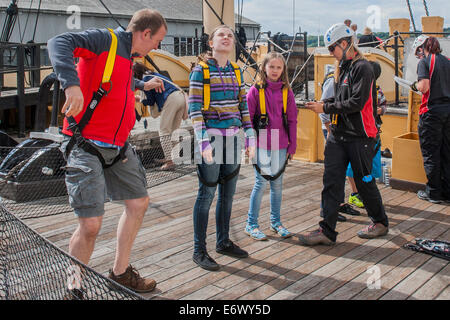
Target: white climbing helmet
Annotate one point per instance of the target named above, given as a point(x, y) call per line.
point(420, 40)
point(337, 32)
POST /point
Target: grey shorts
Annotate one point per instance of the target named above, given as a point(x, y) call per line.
point(89, 185)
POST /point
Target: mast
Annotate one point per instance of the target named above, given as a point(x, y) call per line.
point(411, 15)
point(217, 12)
point(426, 8)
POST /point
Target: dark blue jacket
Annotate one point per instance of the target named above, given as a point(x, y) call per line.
point(153, 97)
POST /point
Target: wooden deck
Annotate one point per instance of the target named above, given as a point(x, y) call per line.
point(276, 269)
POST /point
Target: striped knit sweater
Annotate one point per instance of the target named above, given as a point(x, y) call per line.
point(226, 113)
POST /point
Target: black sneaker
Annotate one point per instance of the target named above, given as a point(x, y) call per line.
point(340, 217)
point(205, 261)
point(386, 153)
point(423, 195)
point(347, 209)
point(232, 250)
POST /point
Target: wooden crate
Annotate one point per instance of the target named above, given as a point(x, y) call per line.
point(408, 172)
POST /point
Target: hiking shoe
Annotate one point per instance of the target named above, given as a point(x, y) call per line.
point(133, 281)
point(347, 209)
point(232, 250)
point(281, 231)
point(203, 260)
point(314, 238)
point(423, 195)
point(168, 166)
point(355, 200)
point(255, 233)
point(340, 217)
point(374, 230)
point(74, 294)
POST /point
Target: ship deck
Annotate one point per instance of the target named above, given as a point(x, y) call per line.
point(277, 268)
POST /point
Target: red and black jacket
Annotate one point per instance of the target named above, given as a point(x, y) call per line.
point(354, 102)
point(114, 117)
point(436, 68)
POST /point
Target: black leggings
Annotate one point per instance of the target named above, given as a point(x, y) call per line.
point(338, 153)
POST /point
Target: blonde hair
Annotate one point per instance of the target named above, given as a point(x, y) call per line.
point(284, 75)
point(367, 31)
point(353, 50)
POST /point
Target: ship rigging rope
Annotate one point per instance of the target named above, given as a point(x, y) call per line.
point(32, 268)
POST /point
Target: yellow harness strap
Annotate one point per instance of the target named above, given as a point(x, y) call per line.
point(237, 72)
point(207, 82)
point(206, 86)
point(262, 99)
point(111, 58)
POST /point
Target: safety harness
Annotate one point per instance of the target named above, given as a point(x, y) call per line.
point(77, 128)
point(437, 248)
point(261, 121)
point(207, 82)
point(206, 105)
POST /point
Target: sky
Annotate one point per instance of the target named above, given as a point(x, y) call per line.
point(315, 16)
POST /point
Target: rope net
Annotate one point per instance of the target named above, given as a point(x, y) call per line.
point(34, 269)
point(32, 174)
point(32, 185)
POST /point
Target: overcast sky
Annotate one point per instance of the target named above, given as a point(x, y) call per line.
point(315, 16)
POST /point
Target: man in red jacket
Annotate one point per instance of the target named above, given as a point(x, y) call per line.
point(92, 153)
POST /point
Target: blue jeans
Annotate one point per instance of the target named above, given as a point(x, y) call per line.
point(270, 162)
point(211, 173)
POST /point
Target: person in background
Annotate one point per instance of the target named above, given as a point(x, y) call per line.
point(433, 80)
point(348, 22)
point(368, 39)
point(171, 103)
point(327, 93)
point(380, 105)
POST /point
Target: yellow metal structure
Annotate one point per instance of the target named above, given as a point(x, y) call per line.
point(178, 70)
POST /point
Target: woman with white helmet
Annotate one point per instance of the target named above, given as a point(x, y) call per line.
point(433, 73)
point(352, 138)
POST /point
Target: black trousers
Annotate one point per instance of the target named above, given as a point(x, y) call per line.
point(338, 153)
point(434, 138)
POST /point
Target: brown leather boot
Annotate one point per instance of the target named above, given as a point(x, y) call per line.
point(374, 230)
point(133, 281)
point(314, 238)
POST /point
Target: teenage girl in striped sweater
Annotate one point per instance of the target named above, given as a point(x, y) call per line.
point(217, 151)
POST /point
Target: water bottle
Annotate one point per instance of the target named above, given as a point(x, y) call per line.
point(387, 174)
point(383, 165)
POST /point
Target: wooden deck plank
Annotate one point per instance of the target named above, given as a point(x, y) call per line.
point(391, 276)
point(276, 269)
point(445, 295)
point(318, 270)
point(386, 258)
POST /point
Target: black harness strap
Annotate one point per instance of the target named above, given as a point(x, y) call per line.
point(81, 142)
point(221, 180)
point(271, 178)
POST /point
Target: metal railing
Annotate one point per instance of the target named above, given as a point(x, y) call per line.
point(19, 53)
